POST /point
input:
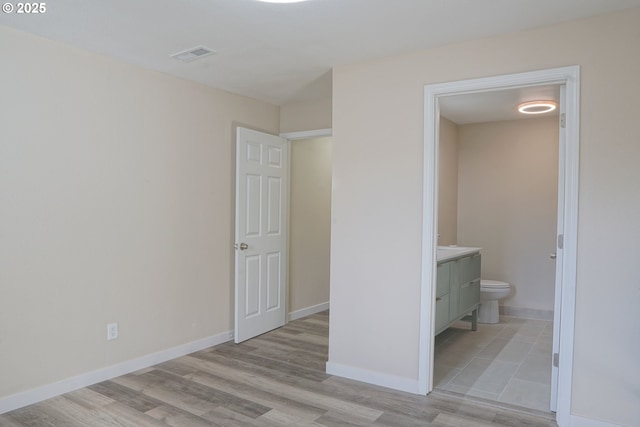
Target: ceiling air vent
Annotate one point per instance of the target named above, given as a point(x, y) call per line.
point(193, 53)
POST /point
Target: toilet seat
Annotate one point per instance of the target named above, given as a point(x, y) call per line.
point(494, 284)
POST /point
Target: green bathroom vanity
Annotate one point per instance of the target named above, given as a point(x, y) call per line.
point(458, 286)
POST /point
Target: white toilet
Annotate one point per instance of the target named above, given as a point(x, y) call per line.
point(490, 292)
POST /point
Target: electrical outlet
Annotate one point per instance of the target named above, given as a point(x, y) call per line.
point(112, 331)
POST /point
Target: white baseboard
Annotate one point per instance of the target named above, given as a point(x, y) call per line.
point(35, 395)
point(527, 313)
point(298, 314)
point(371, 377)
point(588, 422)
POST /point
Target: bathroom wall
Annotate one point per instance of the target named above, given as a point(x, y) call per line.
point(310, 223)
point(507, 205)
point(448, 183)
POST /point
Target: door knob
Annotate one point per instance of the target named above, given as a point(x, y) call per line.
point(553, 256)
point(244, 246)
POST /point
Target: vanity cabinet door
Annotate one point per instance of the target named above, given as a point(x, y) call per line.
point(469, 279)
point(443, 276)
point(457, 290)
point(469, 269)
point(442, 313)
point(469, 296)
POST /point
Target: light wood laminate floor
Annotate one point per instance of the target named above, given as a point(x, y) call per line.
point(277, 379)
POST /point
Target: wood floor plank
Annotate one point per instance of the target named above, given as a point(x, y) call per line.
point(277, 379)
point(266, 367)
point(384, 399)
point(168, 395)
point(227, 418)
point(331, 419)
point(320, 342)
point(298, 410)
point(124, 416)
point(518, 419)
point(394, 420)
point(302, 359)
point(81, 414)
point(44, 414)
point(88, 398)
point(126, 396)
point(176, 417)
point(455, 420)
point(302, 341)
point(276, 417)
point(292, 392)
point(8, 422)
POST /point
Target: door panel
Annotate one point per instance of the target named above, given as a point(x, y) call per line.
point(254, 196)
point(275, 209)
point(252, 286)
point(261, 233)
point(274, 278)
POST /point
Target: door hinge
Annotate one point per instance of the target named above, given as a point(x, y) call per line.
point(560, 241)
point(556, 359)
point(563, 120)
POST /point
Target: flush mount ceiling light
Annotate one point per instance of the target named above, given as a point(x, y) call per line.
point(537, 107)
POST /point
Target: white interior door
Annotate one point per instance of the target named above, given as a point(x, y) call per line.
point(262, 173)
point(557, 305)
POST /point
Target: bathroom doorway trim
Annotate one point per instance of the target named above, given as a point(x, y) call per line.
point(569, 77)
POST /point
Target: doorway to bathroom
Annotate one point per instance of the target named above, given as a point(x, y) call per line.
point(562, 334)
point(498, 178)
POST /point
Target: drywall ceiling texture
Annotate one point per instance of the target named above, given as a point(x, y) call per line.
point(377, 202)
point(116, 205)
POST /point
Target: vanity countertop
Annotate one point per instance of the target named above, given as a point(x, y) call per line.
point(446, 253)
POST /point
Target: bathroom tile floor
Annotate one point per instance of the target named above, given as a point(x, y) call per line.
point(508, 362)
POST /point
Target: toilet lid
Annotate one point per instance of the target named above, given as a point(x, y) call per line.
point(493, 284)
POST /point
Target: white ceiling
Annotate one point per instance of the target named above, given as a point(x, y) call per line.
point(284, 52)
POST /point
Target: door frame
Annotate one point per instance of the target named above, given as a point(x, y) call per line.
point(570, 77)
point(307, 134)
point(289, 137)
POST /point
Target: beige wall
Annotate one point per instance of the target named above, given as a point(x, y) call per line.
point(310, 223)
point(306, 115)
point(377, 202)
point(507, 204)
point(116, 204)
point(448, 183)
